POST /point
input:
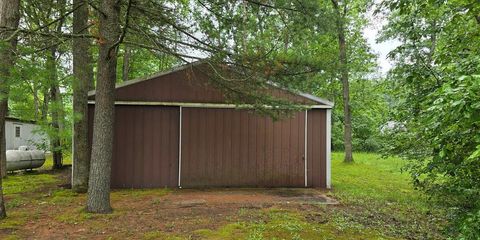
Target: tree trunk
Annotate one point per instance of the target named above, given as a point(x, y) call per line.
point(55, 109)
point(58, 113)
point(102, 146)
point(9, 19)
point(56, 143)
point(3, 141)
point(36, 101)
point(3, 108)
point(126, 63)
point(46, 99)
point(83, 77)
point(343, 58)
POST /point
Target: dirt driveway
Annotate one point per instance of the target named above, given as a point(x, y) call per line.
point(56, 213)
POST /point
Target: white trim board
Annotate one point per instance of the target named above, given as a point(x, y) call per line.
point(328, 148)
point(304, 95)
point(198, 105)
point(306, 148)
point(180, 148)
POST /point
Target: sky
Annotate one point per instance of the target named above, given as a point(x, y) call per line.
point(382, 49)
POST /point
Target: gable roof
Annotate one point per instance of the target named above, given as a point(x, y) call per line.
point(15, 119)
point(131, 83)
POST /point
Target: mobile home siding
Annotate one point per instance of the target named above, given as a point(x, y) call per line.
point(29, 135)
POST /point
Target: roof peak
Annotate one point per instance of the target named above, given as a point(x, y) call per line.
point(199, 62)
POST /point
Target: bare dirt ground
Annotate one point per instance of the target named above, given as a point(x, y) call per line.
point(249, 196)
point(53, 213)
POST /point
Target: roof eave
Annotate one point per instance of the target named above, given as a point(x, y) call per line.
point(316, 99)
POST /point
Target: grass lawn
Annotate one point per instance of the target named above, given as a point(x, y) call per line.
point(376, 202)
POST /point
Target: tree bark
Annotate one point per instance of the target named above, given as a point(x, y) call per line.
point(126, 63)
point(9, 19)
point(343, 58)
point(83, 77)
point(46, 100)
point(102, 146)
point(3, 141)
point(55, 109)
point(36, 101)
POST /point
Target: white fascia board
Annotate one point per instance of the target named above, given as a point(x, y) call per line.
point(180, 148)
point(199, 105)
point(329, 148)
point(305, 154)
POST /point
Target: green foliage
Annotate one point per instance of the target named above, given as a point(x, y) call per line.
point(144, 62)
point(369, 114)
point(292, 44)
point(29, 98)
point(436, 84)
point(280, 42)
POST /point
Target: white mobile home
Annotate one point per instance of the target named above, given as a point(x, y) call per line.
point(22, 133)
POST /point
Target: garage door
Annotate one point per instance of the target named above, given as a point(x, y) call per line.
point(233, 148)
point(146, 147)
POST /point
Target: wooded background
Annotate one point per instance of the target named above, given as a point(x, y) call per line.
point(425, 109)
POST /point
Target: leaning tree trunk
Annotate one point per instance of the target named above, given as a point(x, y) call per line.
point(102, 145)
point(9, 18)
point(83, 77)
point(342, 46)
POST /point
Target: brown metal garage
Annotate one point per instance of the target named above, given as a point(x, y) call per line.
point(175, 130)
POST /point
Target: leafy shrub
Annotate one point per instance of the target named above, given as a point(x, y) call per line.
point(444, 145)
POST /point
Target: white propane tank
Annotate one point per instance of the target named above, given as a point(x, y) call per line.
point(23, 148)
point(38, 158)
point(24, 159)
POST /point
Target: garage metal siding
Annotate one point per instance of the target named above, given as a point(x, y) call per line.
point(316, 148)
point(182, 86)
point(228, 147)
point(145, 146)
point(190, 85)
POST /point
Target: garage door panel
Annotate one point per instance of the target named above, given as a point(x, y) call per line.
point(316, 148)
point(146, 147)
point(236, 148)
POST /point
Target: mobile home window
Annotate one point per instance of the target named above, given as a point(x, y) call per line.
point(17, 131)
